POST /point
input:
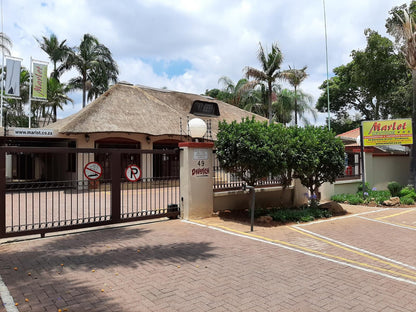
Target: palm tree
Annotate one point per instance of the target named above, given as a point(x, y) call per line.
point(57, 51)
point(284, 106)
point(89, 59)
point(5, 44)
point(237, 93)
point(295, 77)
point(56, 97)
point(267, 75)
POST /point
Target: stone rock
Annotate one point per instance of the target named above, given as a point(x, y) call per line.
point(334, 208)
point(265, 219)
point(393, 201)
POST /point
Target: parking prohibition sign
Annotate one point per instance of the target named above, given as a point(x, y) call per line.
point(93, 171)
point(133, 173)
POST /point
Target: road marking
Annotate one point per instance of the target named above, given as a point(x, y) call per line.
point(396, 214)
point(7, 299)
point(359, 251)
point(314, 253)
point(400, 225)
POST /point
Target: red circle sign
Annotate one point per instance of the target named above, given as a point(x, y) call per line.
point(93, 170)
point(133, 173)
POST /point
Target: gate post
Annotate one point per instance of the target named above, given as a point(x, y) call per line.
point(2, 192)
point(196, 180)
point(115, 186)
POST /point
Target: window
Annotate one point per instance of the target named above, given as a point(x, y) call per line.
point(202, 108)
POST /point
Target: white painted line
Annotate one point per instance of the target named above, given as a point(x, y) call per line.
point(357, 249)
point(305, 253)
point(7, 299)
point(343, 217)
point(391, 224)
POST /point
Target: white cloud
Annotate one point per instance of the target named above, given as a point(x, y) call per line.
point(218, 38)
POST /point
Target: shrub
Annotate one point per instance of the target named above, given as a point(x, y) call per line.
point(407, 191)
point(360, 187)
point(305, 214)
point(407, 200)
point(378, 196)
point(394, 188)
point(353, 199)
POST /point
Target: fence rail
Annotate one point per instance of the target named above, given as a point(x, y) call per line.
point(228, 181)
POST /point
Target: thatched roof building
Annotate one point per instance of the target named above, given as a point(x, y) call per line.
point(137, 109)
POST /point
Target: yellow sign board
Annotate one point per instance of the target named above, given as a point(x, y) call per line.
point(387, 132)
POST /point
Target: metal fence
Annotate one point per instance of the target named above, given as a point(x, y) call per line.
point(47, 189)
point(228, 181)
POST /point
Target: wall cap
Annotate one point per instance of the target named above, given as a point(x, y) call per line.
point(197, 144)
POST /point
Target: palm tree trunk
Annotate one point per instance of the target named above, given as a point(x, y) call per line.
point(270, 102)
point(412, 176)
point(296, 108)
point(84, 91)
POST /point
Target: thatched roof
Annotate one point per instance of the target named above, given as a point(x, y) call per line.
point(138, 109)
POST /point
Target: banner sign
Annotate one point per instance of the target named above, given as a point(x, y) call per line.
point(40, 80)
point(387, 132)
point(12, 86)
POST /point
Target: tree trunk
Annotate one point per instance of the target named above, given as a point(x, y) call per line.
point(296, 108)
point(270, 102)
point(412, 175)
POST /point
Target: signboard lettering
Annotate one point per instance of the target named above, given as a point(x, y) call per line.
point(387, 132)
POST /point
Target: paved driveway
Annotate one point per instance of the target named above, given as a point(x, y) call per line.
point(361, 262)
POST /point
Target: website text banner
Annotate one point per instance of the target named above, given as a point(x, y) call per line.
point(387, 132)
point(40, 80)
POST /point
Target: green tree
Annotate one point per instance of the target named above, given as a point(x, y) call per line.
point(318, 157)
point(406, 36)
point(368, 82)
point(95, 64)
point(244, 149)
point(295, 77)
point(269, 72)
point(57, 95)
point(288, 103)
point(58, 52)
point(237, 94)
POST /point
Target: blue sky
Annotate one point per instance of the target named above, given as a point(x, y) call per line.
point(187, 45)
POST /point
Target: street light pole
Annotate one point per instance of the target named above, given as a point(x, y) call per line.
point(327, 71)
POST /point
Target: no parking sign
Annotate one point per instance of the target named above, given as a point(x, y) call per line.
point(133, 173)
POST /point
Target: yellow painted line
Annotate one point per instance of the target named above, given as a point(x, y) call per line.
point(396, 214)
point(362, 264)
point(355, 251)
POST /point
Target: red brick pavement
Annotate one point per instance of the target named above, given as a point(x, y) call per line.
point(178, 266)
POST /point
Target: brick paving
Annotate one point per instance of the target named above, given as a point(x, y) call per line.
point(179, 266)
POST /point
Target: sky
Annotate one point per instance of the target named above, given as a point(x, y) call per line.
point(187, 45)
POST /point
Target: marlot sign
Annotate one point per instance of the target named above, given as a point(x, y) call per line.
point(387, 132)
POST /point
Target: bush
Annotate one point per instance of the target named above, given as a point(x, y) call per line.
point(407, 200)
point(305, 214)
point(407, 191)
point(360, 187)
point(352, 199)
point(394, 188)
point(378, 196)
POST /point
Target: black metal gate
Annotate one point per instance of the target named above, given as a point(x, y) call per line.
point(54, 189)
